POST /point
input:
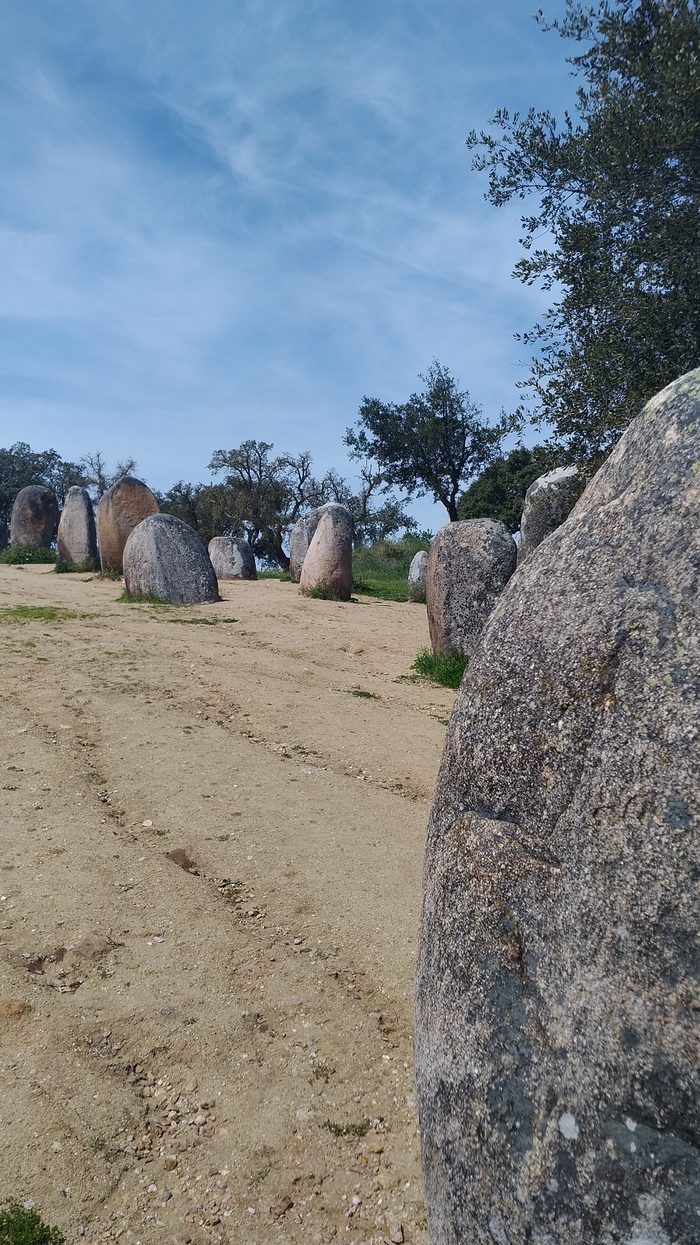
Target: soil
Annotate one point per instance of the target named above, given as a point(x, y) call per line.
point(209, 891)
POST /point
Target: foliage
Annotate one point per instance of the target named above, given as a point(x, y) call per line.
point(382, 570)
point(146, 598)
point(433, 443)
point(618, 193)
point(447, 671)
point(65, 567)
point(96, 476)
point(347, 1130)
point(18, 555)
point(20, 466)
point(322, 592)
point(22, 1225)
point(499, 492)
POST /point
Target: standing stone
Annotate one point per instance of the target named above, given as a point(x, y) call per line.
point(417, 572)
point(300, 538)
point(232, 558)
point(468, 567)
point(548, 502)
point(34, 517)
point(328, 562)
point(4, 536)
point(126, 504)
point(165, 558)
point(558, 981)
point(77, 538)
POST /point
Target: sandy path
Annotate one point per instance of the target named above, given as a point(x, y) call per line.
point(228, 1051)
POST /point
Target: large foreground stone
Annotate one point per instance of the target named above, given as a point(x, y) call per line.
point(328, 562)
point(468, 567)
point(126, 504)
point(417, 572)
point(300, 538)
point(34, 517)
point(165, 558)
point(77, 539)
point(232, 558)
point(558, 982)
point(548, 502)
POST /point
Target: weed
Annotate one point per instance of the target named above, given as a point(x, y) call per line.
point(126, 886)
point(228, 886)
point(222, 838)
point(305, 752)
point(360, 691)
point(37, 613)
point(30, 553)
point(258, 1176)
point(108, 1152)
point(347, 1130)
point(21, 1225)
point(115, 575)
point(64, 567)
point(161, 1048)
point(447, 671)
point(198, 622)
point(322, 1071)
point(321, 592)
point(191, 1020)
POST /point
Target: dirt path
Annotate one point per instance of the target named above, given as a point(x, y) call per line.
point(217, 1047)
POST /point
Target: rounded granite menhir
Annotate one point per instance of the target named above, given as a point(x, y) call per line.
point(328, 562)
point(468, 567)
point(165, 558)
point(232, 558)
point(126, 504)
point(558, 977)
point(34, 517)
point(77, 538)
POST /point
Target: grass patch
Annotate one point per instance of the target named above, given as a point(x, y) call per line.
point(321, 592)
point(64, 567)
point(148, 598)
point(447, 671)
point(200, 622)
point(347, 1130)
point(115, 575)
point(30, 553)
point(283, 576)
point(37, 613)
point(360, 691)
point(322, 1071)
point(20, 1225)
point(382, 570)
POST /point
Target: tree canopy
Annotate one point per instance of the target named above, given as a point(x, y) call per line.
point(619, 206)
point(433, 443)
point(499, 492)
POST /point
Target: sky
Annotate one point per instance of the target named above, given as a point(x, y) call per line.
point(236, 219)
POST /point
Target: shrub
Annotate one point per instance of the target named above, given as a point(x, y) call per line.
point(18, 555)
point(321, 592)
point(21, 1225)
point(447, 671)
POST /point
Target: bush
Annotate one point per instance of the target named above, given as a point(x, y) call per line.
point(31, 553)
point(447, 671)
point(21, 1225)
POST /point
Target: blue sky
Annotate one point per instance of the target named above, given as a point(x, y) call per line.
point(236, 218)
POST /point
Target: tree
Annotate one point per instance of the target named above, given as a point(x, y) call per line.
point(619, 200)
point(20, 465)
point(499, 492)
point(433, 443)
point(96, 475)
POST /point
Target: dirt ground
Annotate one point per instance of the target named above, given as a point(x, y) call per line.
point(209, 892)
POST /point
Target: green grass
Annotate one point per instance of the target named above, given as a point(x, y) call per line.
point(360, 691)
point(283, 576)
point(31, 553)
point(64, 567)
point(148, 598)
point(447, 671)
point(382, 570)
point(37, 613)
point(321, 592)
point(109, 575)
point(22, 1226)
